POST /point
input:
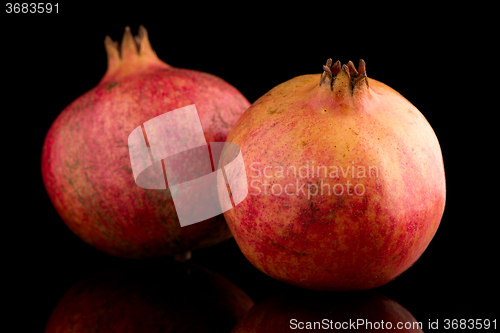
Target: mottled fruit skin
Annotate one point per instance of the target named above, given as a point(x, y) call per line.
point(326, 313)
point(167, 298)
point(297, 224)
point(86, 166)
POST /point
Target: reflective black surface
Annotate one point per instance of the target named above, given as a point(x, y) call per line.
point(49, 61)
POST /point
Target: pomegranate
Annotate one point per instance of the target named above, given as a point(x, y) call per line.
point(166, 298)
point(346, 181)
point(86, 166)
point(365, 311)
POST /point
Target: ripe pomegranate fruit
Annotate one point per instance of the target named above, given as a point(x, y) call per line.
point(346, 181)
point(366, 312)
point(165, 298)
point(86, 166)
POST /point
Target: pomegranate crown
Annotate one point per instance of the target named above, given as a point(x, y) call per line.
point(332, 74)
point(134, 54)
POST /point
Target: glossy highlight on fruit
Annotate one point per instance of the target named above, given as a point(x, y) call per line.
point(86, 166)
point(346, 181)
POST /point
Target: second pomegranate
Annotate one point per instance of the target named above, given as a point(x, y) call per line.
point(345, 177)
point(86, 162)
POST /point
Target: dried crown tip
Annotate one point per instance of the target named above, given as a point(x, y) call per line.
point(358, 77)
point(336, 67)
point(143, 33)
point(128, 48)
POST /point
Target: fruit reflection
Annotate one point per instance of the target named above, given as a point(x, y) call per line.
point(327, 312)
point(172, 298)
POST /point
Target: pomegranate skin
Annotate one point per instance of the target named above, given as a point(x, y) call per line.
point(86, 167)
point(310, 221)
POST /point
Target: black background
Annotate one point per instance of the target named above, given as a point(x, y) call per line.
point(431, 56)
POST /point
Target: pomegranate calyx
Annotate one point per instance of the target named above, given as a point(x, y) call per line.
point(134, 54)
point(346, 77)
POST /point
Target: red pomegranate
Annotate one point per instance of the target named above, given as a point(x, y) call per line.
point(328, 312)
point(346, 181)
point(164, 298)
point(86, 166)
